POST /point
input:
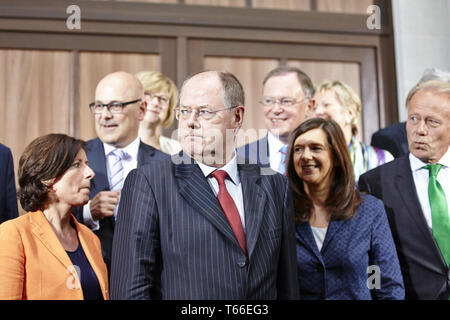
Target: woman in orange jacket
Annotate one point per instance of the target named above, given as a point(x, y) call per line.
point(46, 253)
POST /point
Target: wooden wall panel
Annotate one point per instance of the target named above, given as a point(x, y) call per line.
point(93, 67)
point(250, 73)
point(344, 6)
point(149, 1)
point(342, 71)
point(303, 5)
point(222, 3)
point(34, 97)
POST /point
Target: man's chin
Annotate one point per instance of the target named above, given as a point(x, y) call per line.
point(109, 139)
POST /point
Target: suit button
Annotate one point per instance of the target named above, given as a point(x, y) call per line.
point(242, 264)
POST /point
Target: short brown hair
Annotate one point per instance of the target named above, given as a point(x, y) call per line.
point(304, 80)
point(45, 158)
point(344, 198)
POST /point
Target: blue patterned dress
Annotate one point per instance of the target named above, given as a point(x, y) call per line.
point(358, 259)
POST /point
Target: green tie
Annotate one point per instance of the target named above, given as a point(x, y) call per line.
point(439, 212)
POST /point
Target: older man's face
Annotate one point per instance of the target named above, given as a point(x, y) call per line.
point(282, 120)
point(119, 129)
point(208, 141)
point(428, 125)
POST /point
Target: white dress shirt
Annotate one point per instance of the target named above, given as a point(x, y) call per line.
point(129, 164)
point(274, 151)
point(421, 176)
point(232, 182)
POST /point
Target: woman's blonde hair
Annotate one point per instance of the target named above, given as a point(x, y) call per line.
point(346, 96)
point(155, 81)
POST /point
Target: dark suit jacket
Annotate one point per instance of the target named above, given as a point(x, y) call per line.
point(257, 151)
point(95, 153)
point(173, 240)
point(393, 139)
point(425, 273)
point(339, 270)
point(8, 200)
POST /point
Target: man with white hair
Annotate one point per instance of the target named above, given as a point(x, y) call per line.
point(415, 190)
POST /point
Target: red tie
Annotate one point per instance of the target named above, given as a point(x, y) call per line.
point(230, 209)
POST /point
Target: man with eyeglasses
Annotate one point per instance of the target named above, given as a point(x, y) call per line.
point(118, 109)
point(287, 100)
point(202, 225)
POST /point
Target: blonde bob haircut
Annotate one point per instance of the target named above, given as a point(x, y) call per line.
point(155, 82)
point(346, 96)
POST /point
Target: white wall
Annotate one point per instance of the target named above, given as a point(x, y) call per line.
point(422, 40)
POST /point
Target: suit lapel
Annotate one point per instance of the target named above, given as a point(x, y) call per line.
point(254, 203)
point(333, 228)
point(89, 249)
point(405, 186)
point(97, 161)
point(305, 236)
point(44, 232)
point(145, 154)
point(196, 191)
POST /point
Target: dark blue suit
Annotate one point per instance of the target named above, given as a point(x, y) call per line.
point(8, 200)
point(257, 151)
point(339, 270)
point(173, 240)
point(95, 153)
point(393, 139)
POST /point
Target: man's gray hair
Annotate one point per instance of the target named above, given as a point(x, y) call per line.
point(435, 86)
point(232, 90)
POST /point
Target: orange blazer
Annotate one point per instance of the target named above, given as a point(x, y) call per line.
point(34, 264)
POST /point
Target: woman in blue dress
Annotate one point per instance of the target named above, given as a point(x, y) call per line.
point(344, 244)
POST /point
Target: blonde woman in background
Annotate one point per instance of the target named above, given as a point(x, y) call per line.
point(161, 96)
point(336, 100)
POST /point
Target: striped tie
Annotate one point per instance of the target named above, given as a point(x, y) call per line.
point(282, 166)
point(116, 178)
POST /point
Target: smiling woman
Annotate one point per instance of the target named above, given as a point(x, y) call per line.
point(161, 96)
point(338, 229)
point(42, 249)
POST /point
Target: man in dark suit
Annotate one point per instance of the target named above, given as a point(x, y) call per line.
point(393, 139)
point(8, 200)
point(287, 100)
point(415, 190)
point(202, 225)
point(118, 109)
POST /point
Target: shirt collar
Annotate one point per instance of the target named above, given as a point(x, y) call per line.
point(131, 149)
point(417, 164)
point(274, 143)
point(230, 168)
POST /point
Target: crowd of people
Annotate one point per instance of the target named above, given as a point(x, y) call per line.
point(306, 212)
